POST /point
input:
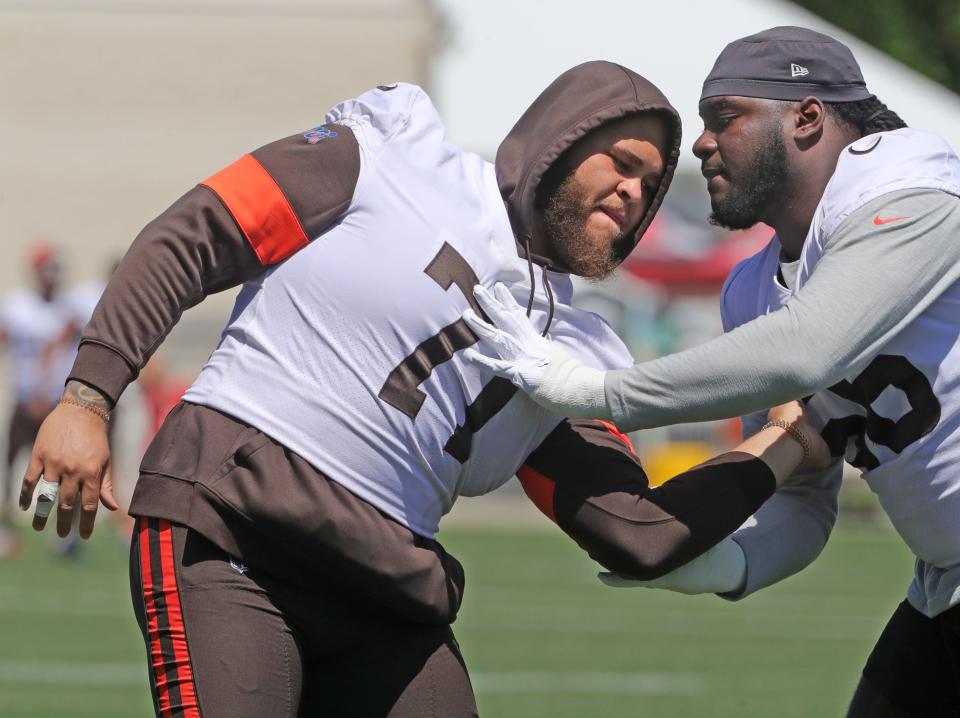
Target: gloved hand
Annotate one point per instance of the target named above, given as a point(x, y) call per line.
point(722, 569)
point(551, 377)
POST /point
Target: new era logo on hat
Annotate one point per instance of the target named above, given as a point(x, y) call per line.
point(757, 66)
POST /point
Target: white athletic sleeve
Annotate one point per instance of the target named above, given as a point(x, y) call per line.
point(870, 282)
point(791, 528)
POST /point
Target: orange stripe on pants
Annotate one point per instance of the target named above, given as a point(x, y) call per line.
point(164, 596)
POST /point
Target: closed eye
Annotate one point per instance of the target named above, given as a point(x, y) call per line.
point(717, 115)
point(717, 123)
point(621, 165)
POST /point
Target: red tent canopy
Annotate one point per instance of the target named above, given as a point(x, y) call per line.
point(687, 258)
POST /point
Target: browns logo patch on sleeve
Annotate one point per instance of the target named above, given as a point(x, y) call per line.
point(286, 193)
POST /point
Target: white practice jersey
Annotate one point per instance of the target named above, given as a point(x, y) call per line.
point(82, 300)
point(348, 352)
point(897, 413)
point(31, 324)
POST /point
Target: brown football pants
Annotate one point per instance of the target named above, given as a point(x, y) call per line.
point(224, 640)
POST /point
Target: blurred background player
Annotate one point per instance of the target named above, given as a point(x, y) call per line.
point(33, 322)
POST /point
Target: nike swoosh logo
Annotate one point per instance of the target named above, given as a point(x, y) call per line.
point(878, 220)
point(867, 151)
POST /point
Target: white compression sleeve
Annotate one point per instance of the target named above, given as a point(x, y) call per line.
point(572, 389)
point(722, 569)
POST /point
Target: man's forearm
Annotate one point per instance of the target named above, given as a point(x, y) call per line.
point(855, 300)
point(191, 250)
point(586, 479)
point(790, 530)
point(645, 532)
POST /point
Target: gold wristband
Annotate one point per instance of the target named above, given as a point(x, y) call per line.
point(794, 434)
point(102, 413)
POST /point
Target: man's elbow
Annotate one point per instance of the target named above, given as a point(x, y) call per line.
point(639, 552)
point(801, 376)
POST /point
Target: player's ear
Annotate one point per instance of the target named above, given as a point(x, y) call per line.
point(809, 116)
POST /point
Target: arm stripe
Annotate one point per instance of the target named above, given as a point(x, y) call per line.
point(620, 435)
point(539, 489)
point(260, 208)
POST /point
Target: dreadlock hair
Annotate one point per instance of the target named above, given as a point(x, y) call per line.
point(866, 116)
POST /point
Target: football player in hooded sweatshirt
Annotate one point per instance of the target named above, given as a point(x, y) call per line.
point(284, 560)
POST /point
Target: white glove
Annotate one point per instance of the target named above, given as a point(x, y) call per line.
point(722, 569)
point(551, 377)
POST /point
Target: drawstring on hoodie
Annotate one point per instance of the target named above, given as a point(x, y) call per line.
point(533, 287)
point(546, 283)
point(533, 279)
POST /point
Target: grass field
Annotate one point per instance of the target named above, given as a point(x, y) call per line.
point(541, 636)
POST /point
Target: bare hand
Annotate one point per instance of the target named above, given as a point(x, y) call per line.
point(793, 412)
point(72, 450)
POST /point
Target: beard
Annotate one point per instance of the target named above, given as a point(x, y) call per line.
point(755, 189)
point(565, 224)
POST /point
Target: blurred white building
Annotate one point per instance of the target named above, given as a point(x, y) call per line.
point(499, 54)
point(114, 108)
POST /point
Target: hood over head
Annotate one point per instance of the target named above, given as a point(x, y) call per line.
point(580, 100)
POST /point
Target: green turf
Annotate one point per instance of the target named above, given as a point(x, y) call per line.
point(541, 636)
point(69, 645)
point(533, 607)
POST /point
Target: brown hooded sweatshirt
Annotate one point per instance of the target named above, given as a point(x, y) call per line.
point(264, 208)
point(578, 101)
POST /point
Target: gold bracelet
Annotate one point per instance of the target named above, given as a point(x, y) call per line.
point(793, 432)
point(102, 413)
